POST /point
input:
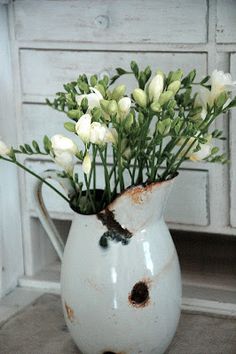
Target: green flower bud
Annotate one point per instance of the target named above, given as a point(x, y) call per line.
point(129, 121)
point(112, 107)
point(163, 126)
point(104, 105)
point(74, 114)
point(177, 75)
point(118, 92)
point(165, 97)
point(174, 86)
point(155, 106)
point(221, 99)
point(140, 97)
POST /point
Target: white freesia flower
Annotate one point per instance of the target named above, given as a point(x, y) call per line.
point(65, 160)
point(111, 136)
point(156, 87)
point(201, 154)
point(86, 165)
point(83, 127)
point(4, 149)
point(93, 98)
point(61, 143)
point(64, 150)
point(220, 82)
point(97, 133)
point(124, 105)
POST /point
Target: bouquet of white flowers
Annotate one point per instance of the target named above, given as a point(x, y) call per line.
point(150, 133)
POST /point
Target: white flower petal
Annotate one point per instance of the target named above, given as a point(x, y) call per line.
point(4, 149)
point(83, 127)
point(86, 165)
point(62, 143)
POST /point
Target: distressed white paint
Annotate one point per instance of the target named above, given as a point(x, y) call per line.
point(232, 127)
point(226, 24)
point(11, 257)
point(130, 21)
point(44, 72)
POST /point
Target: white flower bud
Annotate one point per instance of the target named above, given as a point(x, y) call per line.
point(111, 136)
point(97, 133)
point(61, 143)
point(140, 97)
point(86, 165)
point(83, 127)
point(4, 149)
point(156, 87)
point(65, 160)
point(124, 105)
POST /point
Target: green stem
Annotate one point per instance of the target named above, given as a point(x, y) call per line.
point(37, 176)
point(106, 174)
point(88, 194)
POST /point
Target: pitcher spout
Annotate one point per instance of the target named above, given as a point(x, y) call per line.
point(136, 206)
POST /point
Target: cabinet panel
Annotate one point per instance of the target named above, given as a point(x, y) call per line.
point(44, 72)
point(226, 21)
point(106, 21)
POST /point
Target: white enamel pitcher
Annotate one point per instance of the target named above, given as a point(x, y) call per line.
point(120, 276)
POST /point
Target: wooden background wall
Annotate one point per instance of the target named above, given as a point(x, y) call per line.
point(51, 42)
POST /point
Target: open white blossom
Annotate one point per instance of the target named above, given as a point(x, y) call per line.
point(83, 127)
point(220, 82)
point(156, 87)
point(4, 149)
point(93, 98)
point(86, 165)
point(97, 133)
point(204, 152)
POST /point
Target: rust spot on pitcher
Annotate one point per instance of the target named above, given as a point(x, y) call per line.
point(114, 231)
point(139, 296)
point(69, 312)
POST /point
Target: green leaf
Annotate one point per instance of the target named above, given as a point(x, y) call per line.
point(207, 78)
point(70, 126)
point(47, 144)
point(135, 69)
point(35, 146)
point(23, 149)
point(120, 71)
point(28, 148)
point(93, 80)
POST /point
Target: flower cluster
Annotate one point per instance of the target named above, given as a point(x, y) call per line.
point(138, 138)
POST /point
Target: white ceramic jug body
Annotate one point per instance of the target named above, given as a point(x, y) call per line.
point(120, 277)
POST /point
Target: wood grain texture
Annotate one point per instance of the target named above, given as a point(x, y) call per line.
point(44, 72)
point(226, 21)
point(134, 21)
point(232, 130)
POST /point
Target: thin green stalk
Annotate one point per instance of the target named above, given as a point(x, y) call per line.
point(106, 175)
point(37, 176)
point(88, 194)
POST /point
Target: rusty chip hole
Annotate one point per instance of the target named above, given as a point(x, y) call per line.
point(139, 295)
point(70, 312)
point(109, 353)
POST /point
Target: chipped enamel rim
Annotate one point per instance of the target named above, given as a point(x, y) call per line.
point(132, 190)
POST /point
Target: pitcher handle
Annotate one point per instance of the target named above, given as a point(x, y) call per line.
point(42, 212)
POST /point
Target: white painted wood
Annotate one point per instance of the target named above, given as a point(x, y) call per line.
point(44, 72)
point(108, 21)
point(226, 24)
point(11, 256)
point(188, 201)
point(232, 131)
